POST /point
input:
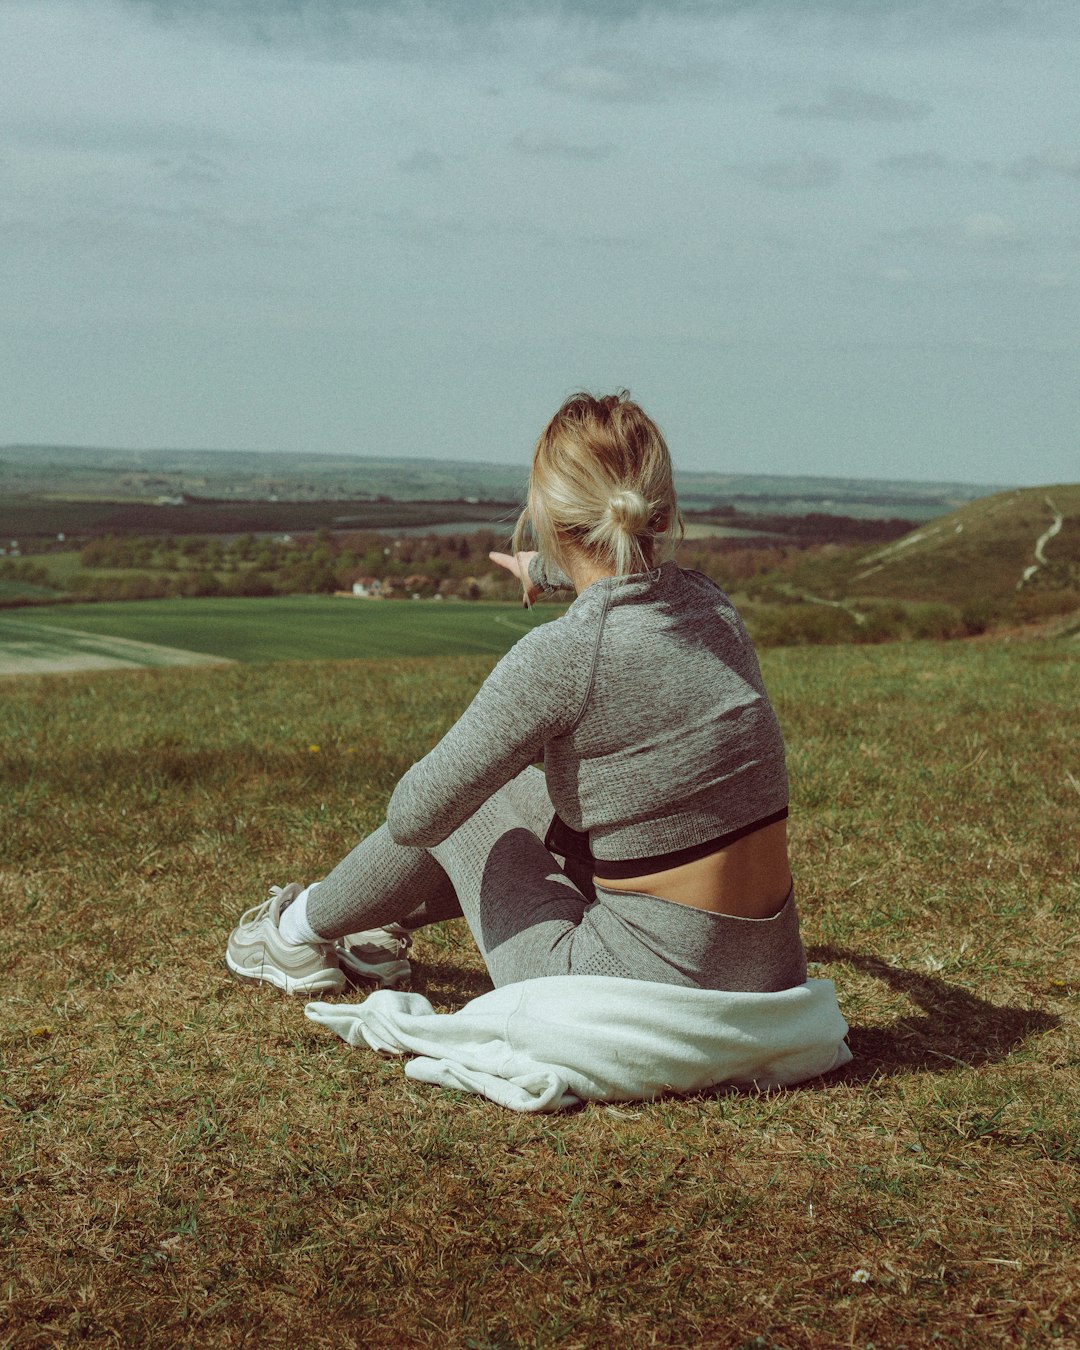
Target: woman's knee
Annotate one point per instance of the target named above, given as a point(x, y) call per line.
point(528, 796)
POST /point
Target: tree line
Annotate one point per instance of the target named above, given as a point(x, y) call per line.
point(145, 567)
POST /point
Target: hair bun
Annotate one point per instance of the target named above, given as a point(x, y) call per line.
point(629, 510)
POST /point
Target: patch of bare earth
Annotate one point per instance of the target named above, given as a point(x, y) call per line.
point(70, 650)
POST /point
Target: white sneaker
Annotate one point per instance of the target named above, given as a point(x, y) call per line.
point(257, 951)
point(376, 956)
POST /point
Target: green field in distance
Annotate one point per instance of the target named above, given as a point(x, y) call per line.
point(295, 627)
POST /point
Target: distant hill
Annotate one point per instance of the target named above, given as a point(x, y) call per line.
point(1026, 537)
point(108, 474)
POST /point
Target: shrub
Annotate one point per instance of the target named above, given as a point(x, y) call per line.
point(800, 625)
point(766, 594)
point(934, 621)
point(882, 623)
point(190, 585)
point(1044, 603)
point(248, 582)
point(979, 613)
point(22, 569)
point(138, 586)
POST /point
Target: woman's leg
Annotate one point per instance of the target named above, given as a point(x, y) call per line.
point(381, 882)
point(528, 796)
point(521, 907)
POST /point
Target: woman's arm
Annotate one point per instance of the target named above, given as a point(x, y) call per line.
point(533, 695)
point(547, 576)
point(534, 574)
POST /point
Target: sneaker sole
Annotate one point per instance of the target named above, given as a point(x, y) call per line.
point(326, 981)
point(381, 975)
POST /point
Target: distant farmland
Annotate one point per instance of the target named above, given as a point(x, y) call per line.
point(284, 628)
point(46, 474)
point(33, 517)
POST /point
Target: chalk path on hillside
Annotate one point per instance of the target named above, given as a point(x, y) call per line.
point(1040, 545)
point(40, 649)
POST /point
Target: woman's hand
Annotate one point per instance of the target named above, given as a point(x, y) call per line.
point(518, 565)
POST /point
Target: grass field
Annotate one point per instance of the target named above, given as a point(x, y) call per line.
point(185, 1160)
point(12, 590)
point(307, 627)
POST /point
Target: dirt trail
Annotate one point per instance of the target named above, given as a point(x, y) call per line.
point(812, 599)
point(1040, 545)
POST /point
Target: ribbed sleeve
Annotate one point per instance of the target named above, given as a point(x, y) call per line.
point(530, 699)
point(547, 576)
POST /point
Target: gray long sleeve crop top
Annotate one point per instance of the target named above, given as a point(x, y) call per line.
point(646, 703)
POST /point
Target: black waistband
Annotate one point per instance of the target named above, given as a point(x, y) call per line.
point(569, 843)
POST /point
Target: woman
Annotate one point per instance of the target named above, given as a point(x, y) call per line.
point(654, 846)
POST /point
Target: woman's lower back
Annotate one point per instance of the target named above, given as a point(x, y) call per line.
point(750, 879)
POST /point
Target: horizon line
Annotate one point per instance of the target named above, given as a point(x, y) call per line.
point(505, 464)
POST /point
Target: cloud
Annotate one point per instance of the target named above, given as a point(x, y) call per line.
point(457, 231)
point(797, 174)
point(846, 103)
point(916, 162)
point(193, 169)
point(1030, 169)
point(461, 32)
point(980, 232)
point(1033, 167)
point(445, 231)
point(960, 15)
point(930, 163)
point(599, 82)
point(625, 77)
point(422, 161)
point(985, 229)
point(1056, 281)
point(531, 143)
point(334, 30)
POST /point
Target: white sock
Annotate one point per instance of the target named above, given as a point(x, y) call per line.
point(294, 926)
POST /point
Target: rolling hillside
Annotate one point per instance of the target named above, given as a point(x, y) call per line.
point(988, 549)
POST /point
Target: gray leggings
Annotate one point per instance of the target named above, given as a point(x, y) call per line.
point(533, 914)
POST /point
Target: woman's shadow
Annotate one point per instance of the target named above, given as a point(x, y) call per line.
point(954, 1028)
point(447, 984)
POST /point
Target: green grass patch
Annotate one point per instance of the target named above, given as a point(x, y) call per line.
point(23, 590)
point(296, 627)
point(187, 1160)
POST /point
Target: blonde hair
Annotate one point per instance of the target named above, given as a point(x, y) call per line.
point(602, 481)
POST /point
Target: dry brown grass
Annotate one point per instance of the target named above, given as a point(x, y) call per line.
point(188, 1161)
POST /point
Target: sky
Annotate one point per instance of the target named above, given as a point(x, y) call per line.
point(834, 237)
